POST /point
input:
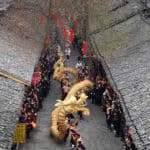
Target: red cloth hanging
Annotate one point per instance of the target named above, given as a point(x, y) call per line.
point(64, 33)
point(41, 19)
point(71, 37)
point(84, 48)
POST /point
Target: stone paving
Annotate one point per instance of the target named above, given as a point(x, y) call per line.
point(93, 129)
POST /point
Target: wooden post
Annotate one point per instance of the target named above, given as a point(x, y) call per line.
point(4, 74)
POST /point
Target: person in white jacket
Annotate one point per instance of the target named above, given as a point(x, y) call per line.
point(67, 52)
point(79, 65)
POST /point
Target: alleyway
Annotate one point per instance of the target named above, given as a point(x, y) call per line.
point(93, 129)
point(113, 35)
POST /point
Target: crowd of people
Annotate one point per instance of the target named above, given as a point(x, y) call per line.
point(104, 96)
point(35, 94)
point(76, 141)
point(72, 123)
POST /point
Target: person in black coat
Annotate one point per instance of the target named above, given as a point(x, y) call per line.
point(98, 93)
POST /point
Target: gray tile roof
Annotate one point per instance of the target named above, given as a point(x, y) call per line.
point(11, 94)
point(17, 56)
point(4, 4)
point(127, 54)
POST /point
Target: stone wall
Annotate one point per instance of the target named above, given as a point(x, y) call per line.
point(121, 34)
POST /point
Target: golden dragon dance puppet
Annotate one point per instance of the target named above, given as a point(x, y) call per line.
point(59, 69)
point(71, 104)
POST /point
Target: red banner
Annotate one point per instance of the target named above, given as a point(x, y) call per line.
point(41, 19)
point(64, 33)
point(36, 78)
point(84, 47)
point(71, 37)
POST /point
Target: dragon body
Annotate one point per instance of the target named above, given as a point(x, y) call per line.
point(70, 105)
point(59, 69)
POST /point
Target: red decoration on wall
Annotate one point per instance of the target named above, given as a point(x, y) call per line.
point(64, 33)
point(41, 19)
point(84, 48)
point(71, 36)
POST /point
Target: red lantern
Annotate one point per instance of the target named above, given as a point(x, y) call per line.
point(60, 23)
point(71, 17)
point(75, 23)
point(84, 48)
point(41, 19)
point(47, 40)
point(71, 37)
point(54, 16)
point(64, 33)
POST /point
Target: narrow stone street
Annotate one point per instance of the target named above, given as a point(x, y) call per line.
point(114, 39)
point(93, 129)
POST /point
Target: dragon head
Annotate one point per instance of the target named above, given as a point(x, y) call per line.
point(82, 99)
point(74, 105)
